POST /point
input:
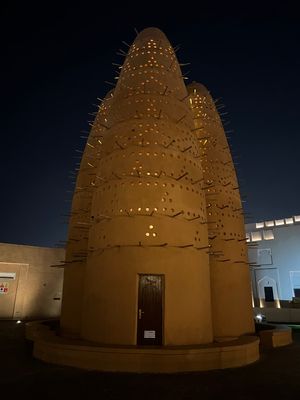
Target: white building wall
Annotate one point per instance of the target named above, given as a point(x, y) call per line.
point(274, 252)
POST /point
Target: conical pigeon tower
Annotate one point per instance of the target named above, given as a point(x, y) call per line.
point(80, 221)
point(147, 277)
point(230, 279)
point(156, 253)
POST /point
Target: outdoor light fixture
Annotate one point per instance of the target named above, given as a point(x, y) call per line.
point(259, 318)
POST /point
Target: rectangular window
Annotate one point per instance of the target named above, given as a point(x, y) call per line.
point(269, 295)
point(297, 218)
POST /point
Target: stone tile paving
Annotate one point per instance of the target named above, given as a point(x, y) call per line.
point(275, 376)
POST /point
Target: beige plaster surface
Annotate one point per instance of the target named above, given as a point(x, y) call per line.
point(168, 359)
point(80, 221)
point(114, 290)
point(161, 197)
point(148, 209)
point(277, 337)
point(32, 294)
point(229, 268)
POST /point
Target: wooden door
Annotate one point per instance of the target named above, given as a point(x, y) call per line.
point(149, 327)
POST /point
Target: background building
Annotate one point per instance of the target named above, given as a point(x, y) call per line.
point(30, 287)
point(274, 257)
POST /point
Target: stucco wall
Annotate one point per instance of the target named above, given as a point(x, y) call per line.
point(148, 212)
point(229, 272)
point(282, 263)
point(35, 287)
point(111, 301)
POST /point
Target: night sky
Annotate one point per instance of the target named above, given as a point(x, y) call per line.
point(55, 62)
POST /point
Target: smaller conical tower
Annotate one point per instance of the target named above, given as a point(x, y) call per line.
point(229, 270)
point(80, 221)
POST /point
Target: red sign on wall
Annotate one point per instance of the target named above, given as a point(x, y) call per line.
point(3, 287)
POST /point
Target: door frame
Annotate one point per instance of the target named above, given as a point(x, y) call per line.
point(162, 305)
point(21, 269)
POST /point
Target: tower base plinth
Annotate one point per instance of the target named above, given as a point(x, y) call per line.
point(54, 349)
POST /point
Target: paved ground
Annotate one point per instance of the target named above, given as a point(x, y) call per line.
point(275, 376)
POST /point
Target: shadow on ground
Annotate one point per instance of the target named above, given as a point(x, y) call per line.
point(275, 376)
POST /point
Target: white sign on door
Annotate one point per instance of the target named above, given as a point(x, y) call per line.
point(149, 334)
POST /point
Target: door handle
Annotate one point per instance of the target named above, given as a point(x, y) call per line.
point(140, 313)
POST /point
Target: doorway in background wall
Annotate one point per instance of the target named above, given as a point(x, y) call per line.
point(269, 294)
point(8, 292)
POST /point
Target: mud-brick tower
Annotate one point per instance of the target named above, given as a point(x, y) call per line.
point(79, 223)
point(147, 277)
point(156, 252)
point(230, 280)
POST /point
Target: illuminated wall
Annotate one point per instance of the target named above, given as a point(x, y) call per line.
point(230, 280)
point(149, 209)
point(274, 256)
point(161, 198)
point(80, 221)
point(30, 284)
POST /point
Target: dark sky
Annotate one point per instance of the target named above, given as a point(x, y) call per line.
point(54, 64)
